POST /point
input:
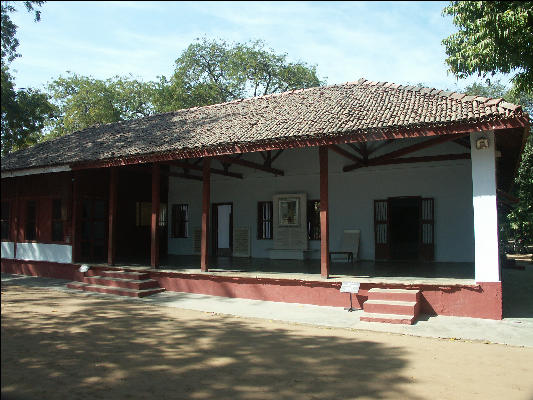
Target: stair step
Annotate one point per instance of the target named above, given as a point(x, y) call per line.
point(121, 282)
point(388, 318)
point(114, 290)
point(393, 294)
point(392, 307)
point(126, 275)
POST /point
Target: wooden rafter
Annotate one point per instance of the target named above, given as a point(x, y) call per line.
point(405, 150)
point(225, 172)
point(410, 160)
point(339, 150)
point(251, 164)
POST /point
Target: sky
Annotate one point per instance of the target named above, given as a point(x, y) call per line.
point(396, 42)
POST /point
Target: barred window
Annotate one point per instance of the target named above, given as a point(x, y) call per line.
point(264, 220)
point(313, 219)
point(180, 220)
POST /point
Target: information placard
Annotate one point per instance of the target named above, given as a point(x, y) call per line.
point(350, 287)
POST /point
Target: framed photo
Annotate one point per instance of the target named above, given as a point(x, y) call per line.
point(289, 214)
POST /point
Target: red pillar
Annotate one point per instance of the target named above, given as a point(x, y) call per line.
point(113, 173)
point(155, 217)
point(324, 217)
point(206, 199)
point(74, 211)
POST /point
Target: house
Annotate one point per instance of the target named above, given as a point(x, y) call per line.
point(249, 198)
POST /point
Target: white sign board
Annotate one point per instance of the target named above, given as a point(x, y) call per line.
point(350, 287)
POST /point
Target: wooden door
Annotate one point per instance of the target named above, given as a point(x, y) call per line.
point(427, 229)
point(381, 230)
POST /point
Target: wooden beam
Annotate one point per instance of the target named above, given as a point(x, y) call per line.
point(111, 239)
point(276, 155)
point(379, 146)
point(251, 164)
point(206, 199)
point(345, 153)
point(185, 176)
point(183, 164)
point(406, 150)
point(410, 160)
point(324, 212)
point(154, 259)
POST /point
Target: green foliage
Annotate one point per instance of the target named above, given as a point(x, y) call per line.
point(211, 71)
point(24, 113)
point(493, 36)
point(9, 29)
point(84, 101)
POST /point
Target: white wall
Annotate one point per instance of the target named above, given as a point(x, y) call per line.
point(59, 253)
point(8, 250)
point(351, 197)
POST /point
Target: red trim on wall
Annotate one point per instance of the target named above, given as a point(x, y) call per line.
point(482, 300)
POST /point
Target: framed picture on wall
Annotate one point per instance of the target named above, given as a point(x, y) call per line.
point(289, 214)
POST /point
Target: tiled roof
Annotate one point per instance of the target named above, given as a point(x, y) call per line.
point(351, 108)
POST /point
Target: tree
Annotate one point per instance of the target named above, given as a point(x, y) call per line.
point(9, 29)
point(493, 36)
point(83, 101)
point(211, 71)
point(24, 111)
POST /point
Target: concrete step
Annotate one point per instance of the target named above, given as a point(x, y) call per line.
point(126, 275)
point(394, 294)
point(389, 318)
point(121, 282)
point(114, 290)
point(391, 307)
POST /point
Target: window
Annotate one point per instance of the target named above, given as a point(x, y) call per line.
point(180, 220)
point(30, 232)
point(313, 219)
point(264, 220)
point(5, 220)
point(57, 221)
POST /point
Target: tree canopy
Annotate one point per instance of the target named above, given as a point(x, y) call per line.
point(24, 111)
point(493, 36)
point(207, 72)
point(214, 71)
point(83, 101)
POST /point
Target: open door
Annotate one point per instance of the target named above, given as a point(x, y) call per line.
point(222, 229)
point(427, 229)
point(381, 230)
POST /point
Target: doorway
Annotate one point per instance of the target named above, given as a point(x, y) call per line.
point(404, 228)
point(222, 231)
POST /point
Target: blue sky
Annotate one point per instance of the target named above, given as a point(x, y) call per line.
point(386, 41)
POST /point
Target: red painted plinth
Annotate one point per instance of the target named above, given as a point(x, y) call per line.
point(482, 300)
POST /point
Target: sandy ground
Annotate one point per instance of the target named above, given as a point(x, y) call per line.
point(57, 345)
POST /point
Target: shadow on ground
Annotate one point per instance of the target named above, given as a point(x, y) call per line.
point(107, 348)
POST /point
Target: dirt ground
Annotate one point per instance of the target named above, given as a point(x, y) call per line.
point(57, 345)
